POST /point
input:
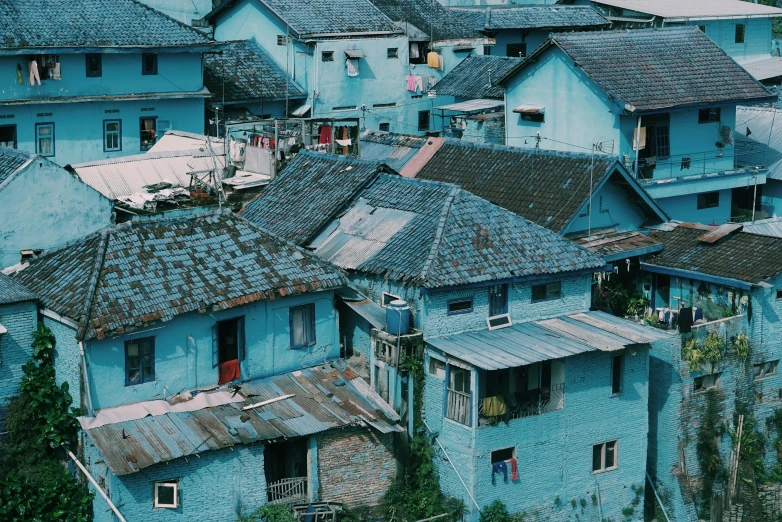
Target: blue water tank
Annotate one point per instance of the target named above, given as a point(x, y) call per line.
point(398, 317)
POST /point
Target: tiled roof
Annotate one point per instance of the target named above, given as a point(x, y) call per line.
point(536, 17)
point(11, 160)
point(311, 17)
point(90, 23)
point(321, 185)
point(474, 77)
point(650, 69)
point(244, 71)
point(395, 150)
point(132, 275)
point(742, 256)
point(545, 187)
point(430, 17)
point(13, 292)
point(694, 9)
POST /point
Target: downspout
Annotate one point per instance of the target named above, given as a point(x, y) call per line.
point(637, 145)
point(97, 487)
point(87, 391)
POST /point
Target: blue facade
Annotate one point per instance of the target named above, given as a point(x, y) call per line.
point(19, 321)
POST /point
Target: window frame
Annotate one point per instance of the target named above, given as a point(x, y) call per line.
point(327, 56)
point(282, 40)
point(709, 115)
point(241, 350)
point(500, 292)
point(421, 127)
point(392, 52)
point(142, 379)
point(434, 368)
point(546, 289)
point(144, 70)
point(140, 139)
point(16, 135)
point(617, 360)
point(522, 50)
point(165, 483)
point(384, 126)
point(118, 132)
point(603, 447)
point(740, 35)
point(460, 300)
point(494, 456)
point(703, 203)
point(703, 389)
point(763, 374)
point(779, 294)
point(39, 125)
point(312, 323)
point(87, 58)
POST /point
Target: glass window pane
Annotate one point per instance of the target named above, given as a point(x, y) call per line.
point(132, 349)
point(597, 457)
point(610, 454)
point(308, 323)
point(298, 326)
point(44, 130)
point(166, 494)
point(112, 126)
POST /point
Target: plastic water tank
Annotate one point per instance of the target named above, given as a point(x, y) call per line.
point(398, 317)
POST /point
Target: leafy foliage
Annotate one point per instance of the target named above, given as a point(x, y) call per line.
point(741, 344)
point(269, 513)
point(712, 468)
point(34, 483)
point(497, 512)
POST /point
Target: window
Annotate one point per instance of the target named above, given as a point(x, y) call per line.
point(148, 132)
point(436, 368)
point(547, 291)
point(460, 306)
point(658, 136)
point(708, 200)
point(617, 374)
point(139, 361)
point(112, 135)
point(327, 56)
point(228, 341)
point(94, 65)
point(345, 108)
point(167, 494)
point(701, 384)
point(605, 456)
point(302, 319)
point(418, 51)
point(282, 40)
point(702, 28)
point(536, 117)
point(423, 121)
point(516, 50)
point(498, 300)
point(709, 115)
point(8, 136)
point(387, 298)
point(44, 139)
point(779, 295)
point(502, 455)
point(739, 33)
point(458, 403)
point(766, 369)
point(383, 105)
point(385, 127)
point(392, 52)
point(148, 63)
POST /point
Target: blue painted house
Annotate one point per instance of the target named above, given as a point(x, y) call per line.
point(726, 281)
point(516, 367)
point(759, 142)
point(604, 88)
point(205, 353)
point(93, 91)
point(741, 29)
point(18, 320)
point(42, 206)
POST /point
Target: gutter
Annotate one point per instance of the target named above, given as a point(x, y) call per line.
point(699, 276)
point(308, 38)
point(163, 49)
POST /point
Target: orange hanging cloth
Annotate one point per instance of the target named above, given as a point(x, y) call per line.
point(229, 371)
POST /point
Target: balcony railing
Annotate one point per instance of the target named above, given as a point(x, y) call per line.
point(694, 164)
point(522, 404)
point(458, 407)
point(288, 491)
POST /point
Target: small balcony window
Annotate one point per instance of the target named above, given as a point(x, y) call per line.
point(392, 52)
point(525, 391)
point(740, 32)
point(327, 56)
point(139, 361)
point(302, 323)
point(617, 374)
point(708, 200)
point(460, 306)
point(148, 64)
point(94, 65)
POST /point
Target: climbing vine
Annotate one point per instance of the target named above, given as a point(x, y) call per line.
point(709, 432)
point(34, 483)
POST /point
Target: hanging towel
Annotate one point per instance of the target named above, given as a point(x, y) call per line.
point(514, 471)
point(433, 60)
point(33, 66)
point(410, 79)
point(352, 65)
point(685, 320)
point(698, 314)
point(419, 84)
point(229, 371)
point(499, 467)
point(493, 406)
point(440, 63)
point(19, 78)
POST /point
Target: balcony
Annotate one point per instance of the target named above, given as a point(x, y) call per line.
point(288, 491)
point(502, 408)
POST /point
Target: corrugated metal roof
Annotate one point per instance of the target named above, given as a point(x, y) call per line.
point(758, 139)
point(617, 244)
point(175, 140)
point(395, 150)
point(472, 105)
point(11, 161)
point(531, 342)
point(324, 398)
point(363, 306)
point(694, 9)
point(129, 174)
point(764, 69)
point(765, 227)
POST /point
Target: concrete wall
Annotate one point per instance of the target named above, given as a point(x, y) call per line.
point(15, 349)
point(44, 207)
point(215, 486)
point(757, 36)
point(686, 208)
point(67, 360)
point(183, 350)
point(355, 466)
point(610, 206)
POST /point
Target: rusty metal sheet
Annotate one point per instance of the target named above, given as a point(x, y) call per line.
point(720, 232)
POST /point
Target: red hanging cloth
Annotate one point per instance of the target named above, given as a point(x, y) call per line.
point(228, 371)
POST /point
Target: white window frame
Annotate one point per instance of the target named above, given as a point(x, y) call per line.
point(383, 303)
point(167, 483)
point(498, 326)
point(603, 445)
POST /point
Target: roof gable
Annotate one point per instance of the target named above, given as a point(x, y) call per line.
point(680, 67)
point(475, 77)
point(128, 276)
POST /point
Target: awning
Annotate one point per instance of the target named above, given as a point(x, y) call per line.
point(363, 306)
point(355, 53)
point(472, 105)
point(301, 111)
point(528, 343)
point(529, 109)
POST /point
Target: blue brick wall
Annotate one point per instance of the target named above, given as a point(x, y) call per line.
point(215, 486)
point(15, 349)
point(67, 359)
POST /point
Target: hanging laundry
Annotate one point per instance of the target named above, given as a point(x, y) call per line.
point(499, 467)
point(440, 63)
point(410, 79)
point(236, 149)
point(325, 135)
point(19, 78)
point(514, 471)
point(228, 371)
point(414, 50)
point(698, 314)
point(419, 83)
point(433, 60)
point(33, 66)
point(352, 65)
point(54, 72)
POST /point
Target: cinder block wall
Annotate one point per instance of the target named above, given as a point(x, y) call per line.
point(355, 466)
point(15, 349)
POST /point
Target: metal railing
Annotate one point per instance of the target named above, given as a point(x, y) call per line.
point(529, 403)
point(684, 165)
point(288, 491)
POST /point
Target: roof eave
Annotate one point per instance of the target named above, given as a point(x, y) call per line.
point(698, 276)
point(127, 49)
point(744, 101)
